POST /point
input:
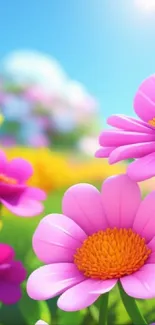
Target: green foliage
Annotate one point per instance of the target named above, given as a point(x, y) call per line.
point(18, 232)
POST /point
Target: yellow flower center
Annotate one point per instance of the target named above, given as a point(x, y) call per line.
point(152, 122)
point(7, 180)
point(111, 253)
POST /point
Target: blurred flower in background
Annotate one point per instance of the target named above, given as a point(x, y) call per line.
point(41, 105)
point(12, 275)
point(54, 170)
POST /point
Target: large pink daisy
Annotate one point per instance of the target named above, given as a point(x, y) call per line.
point(100, 239)
point(133, 138)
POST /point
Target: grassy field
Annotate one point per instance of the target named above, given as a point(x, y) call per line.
point(18, 232)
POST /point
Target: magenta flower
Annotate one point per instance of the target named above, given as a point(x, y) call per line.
point(100, 238)
point(15, 194)
point(12, 274)
point(133, 138)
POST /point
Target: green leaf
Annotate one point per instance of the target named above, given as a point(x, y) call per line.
point(71, 318)
point(45, 313)
point(30, 309)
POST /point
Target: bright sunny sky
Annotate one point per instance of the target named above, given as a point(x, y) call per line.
point(108, 45)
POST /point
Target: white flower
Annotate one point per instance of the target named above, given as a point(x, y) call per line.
point(40, 322)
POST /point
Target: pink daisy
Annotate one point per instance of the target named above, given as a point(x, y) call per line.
point(15, 194)
point(12, 274)
point(133, 138)
point(100, 239)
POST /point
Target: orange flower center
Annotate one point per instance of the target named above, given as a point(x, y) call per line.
point(152, 122)
point(7, 180)
point(111, 253)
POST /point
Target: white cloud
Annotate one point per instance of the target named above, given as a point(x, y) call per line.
point(88, 145)
point(77, 96)
point(72, 103)
point(40, 69)
point(45, 71)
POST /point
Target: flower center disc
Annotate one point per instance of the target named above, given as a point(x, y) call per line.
point(7, 180)
point(111, 253)
point(152, 122)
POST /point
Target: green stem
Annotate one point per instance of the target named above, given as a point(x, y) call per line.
point(103, 311)
point(131, 308)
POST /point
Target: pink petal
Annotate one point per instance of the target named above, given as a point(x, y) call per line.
point(144, 223)
point(129, 124)
point(11, 190)
point(84, 294)
point(10, 293)
point(78, 297)
point(141, 284)
point(121, 198)
point(103, 286)
point(23, 206)
point(142, 123)
point(83, 204)
point(131, 151)
point(104, 152)
point(16, 273)
point(151, 259)
point(56, 239)
point(3, 162)
point(50, 280)
point(36, 193)
point(151, 244)
point(114, 138)
point(6, 253)
point(144, 102)
point(143, 168)
point(19, 169)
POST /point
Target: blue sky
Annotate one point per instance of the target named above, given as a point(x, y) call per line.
point(108, 45)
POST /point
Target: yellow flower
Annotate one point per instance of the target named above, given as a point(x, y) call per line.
point(1, 119)
point(53, 170)
point(93, 170)
point(49, 167)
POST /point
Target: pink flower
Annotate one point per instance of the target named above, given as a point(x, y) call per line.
point(37, 94)
point(15, 194)
point(133, 138)
point(100, 238)
point(12, 274)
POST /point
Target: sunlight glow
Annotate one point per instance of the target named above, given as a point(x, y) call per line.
point(148, 5)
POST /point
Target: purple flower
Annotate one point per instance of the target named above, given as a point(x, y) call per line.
point(12, 274)
point(133, 138)
point(15, 194)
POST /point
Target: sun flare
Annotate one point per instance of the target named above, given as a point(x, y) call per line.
point(148, 5)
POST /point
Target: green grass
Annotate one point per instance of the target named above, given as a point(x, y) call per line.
point(18, 233)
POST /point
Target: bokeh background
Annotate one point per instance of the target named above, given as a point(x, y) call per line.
point(65, 66)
